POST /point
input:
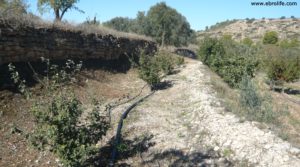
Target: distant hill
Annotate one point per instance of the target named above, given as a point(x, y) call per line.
point(254, 29)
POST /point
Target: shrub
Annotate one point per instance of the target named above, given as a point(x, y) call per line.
point(247, 41)
point(228, 59)
point(165, 62)
point(249, 97)
point(210, 47)
point(149, 70)
point(60, 128)
point(153, 67)
point(270, 37)
point(257, 107)
point(284, 65)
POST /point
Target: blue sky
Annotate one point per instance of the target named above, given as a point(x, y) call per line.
point(199, 13)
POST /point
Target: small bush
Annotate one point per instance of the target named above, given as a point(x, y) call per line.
point(249, 97)
point(165, 62)
point(61, 124)
point(153, 67)
point(149, 70)
point(270, 37)
point(257, 107)
point(60, 129)
point(247, 41)
point(284, 65)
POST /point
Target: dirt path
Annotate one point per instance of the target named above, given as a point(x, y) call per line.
point(185, 125)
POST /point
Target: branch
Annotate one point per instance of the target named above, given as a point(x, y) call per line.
point(64, 11)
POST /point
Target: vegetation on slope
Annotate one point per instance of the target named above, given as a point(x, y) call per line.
point(163, 23)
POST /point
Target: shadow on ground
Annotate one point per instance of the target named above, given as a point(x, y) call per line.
point(164, 85)
point(176, 158)
point(126, 149)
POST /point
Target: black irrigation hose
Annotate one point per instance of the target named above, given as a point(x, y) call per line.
point(120, 125)
point(110, 107)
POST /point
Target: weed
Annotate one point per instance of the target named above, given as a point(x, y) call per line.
point(21, 84)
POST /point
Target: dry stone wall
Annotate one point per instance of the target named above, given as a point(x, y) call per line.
point(30, 44)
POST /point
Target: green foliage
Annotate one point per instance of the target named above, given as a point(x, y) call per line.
point(149, 70)
point(13, 7)
point(270, 37)
point(249, 97)
point(153, 67)
point(60, 7)
point(168, 26)
point(209, 48)
point(258, 107)
point(163, 23)
point(59, 76)
point(120, 23)
point(61, 128)
point(21, 84)
point(165, 62)
point(283, 65)
point(228, 59)
point(289, 43)
point(247, 41)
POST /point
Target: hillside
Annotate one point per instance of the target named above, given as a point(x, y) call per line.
point(254, 29)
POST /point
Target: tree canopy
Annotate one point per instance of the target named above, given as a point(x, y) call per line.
point(13, 6)
point(120, 23)
point(163, 23)
point(60, 7)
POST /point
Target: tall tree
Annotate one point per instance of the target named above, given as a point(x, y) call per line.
point(13, 7)
point(60, 7)
point(168, 26)
point(163, 23)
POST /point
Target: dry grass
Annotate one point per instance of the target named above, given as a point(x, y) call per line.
point(29, 20)
point(14, 148)
point(287, 125)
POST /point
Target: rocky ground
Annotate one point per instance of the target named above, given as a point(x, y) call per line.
point(185, 125)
